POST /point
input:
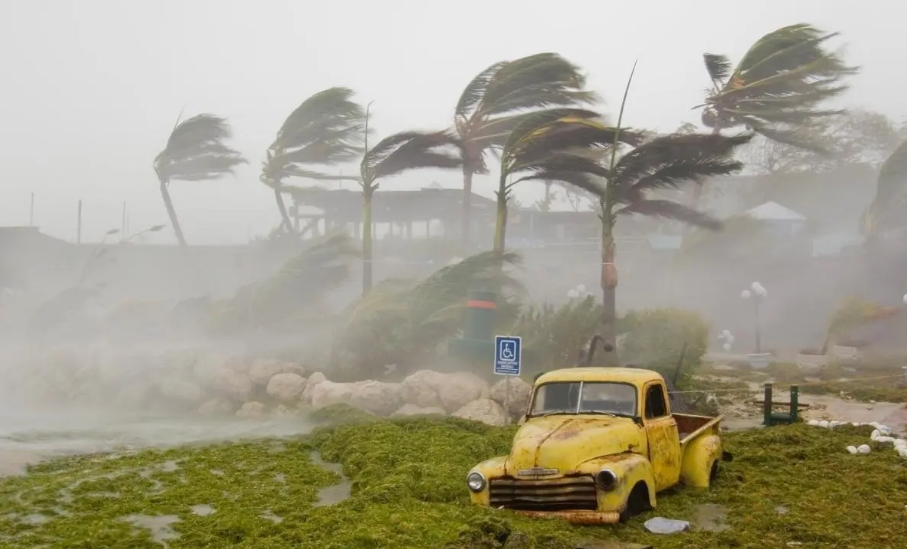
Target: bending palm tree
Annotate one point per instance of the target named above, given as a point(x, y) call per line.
point(324, 130)
point(496, 100)
point(391, 156)
point(195, 152)
point(886, 216)
point(776, 88)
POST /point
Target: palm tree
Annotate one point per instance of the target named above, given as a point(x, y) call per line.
point(554, 145)
point(391, 156)
point(886, 216)
point(498, 98)
point(195, 151)
point(324, 130)
point(776, 88)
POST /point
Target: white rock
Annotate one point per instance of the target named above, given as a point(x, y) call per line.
point(852, 449)
point(377, 397)
point(314, 380)
point(884, 439)
point(286, 387)
point(814, 422)
point(460, 389)
point(875, 435)
point(216, 407)
point(823, 424)
point(413, 410)
point(900, 443)
point(863, 449)
point(420, 388)
point(262, 370)
point(484, 410)
point(328, 392)
point(520, 393)
point(251, 410)
point(236, 385)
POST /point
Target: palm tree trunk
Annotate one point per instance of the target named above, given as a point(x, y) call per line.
point(366, 241)
point(609, 283)
point(466, 221)
point(171, 213)
point(500, 226)
point(284, 216)
point(696, 195)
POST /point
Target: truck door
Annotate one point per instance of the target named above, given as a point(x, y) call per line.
point(663, 437)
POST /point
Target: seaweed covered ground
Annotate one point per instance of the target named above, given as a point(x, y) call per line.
point(787, 486)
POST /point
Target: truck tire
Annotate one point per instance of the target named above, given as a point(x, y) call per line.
point(637, 502)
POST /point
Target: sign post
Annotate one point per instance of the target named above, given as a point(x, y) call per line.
point(508, 353)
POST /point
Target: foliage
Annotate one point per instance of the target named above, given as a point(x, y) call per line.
point(853, 314)
point(403, 322)
point(408, 151)
point(655, 339)
point(741, 240)
point(554, 335)
point(291, 294)
point(886, 214)
point(777, 86)
point(409, 492)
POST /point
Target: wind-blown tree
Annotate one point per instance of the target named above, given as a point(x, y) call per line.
point(777, 87)
point(324, 130)
point(195, 151)
point(886, 216)
point(394, 155)
point(499, 98)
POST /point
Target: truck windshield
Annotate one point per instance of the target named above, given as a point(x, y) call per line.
point(584, 398)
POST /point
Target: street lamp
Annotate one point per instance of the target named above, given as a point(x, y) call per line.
point(757, 293)
point(728, 338)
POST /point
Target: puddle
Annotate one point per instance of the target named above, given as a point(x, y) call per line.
point(331, 495)
point(710, 517)
point(217, 472)
point(159, 526)
point(782, 510)
point(203, 510)
point(280, 477)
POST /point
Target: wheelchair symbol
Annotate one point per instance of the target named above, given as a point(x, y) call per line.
point(508, 350)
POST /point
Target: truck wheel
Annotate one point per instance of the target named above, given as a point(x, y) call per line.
point(713, 474)
point(637, 502)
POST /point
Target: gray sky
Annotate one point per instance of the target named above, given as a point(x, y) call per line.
point(91, 88)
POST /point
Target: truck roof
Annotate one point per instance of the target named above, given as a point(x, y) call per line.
point(635, 376)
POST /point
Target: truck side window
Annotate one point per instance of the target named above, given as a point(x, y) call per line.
point(655, 402)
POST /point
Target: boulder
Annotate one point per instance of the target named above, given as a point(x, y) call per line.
point(376, 397)
point(484, 410)
point(233, 384)
point(518, 399)
point(251, 410)
point(286, 387)
point(263, 369)
point(420, 388)
point(413, 410)
point(285, 411)
point(185, 391)
point(216, 407)
point(314, 380)
point(328, 392)
point(458, 390)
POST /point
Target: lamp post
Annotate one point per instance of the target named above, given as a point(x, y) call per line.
point(756, 292)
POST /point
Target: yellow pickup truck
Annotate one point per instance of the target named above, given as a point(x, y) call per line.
point(596, 446)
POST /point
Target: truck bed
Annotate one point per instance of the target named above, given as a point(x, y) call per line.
point(690, 426)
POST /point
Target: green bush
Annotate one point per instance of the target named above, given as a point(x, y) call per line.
point(554, 336)
point(655, 338)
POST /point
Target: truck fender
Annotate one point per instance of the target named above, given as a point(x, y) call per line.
point(631, 470)
point(699, 456)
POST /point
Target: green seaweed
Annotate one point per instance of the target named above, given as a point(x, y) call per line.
point(409, 492)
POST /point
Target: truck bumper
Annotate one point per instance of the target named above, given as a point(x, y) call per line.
point(577, 517)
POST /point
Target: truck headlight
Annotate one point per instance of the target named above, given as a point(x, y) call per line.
point(475, 481)
point(606, 479)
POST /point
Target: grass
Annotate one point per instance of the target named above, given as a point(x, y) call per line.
point(408, 492)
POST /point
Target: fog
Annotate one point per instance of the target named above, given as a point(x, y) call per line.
point(108, 344)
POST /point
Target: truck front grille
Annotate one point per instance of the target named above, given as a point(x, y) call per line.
point(563, 494)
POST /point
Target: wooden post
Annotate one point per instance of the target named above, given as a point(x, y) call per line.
point(767, 406)
point(794, 403)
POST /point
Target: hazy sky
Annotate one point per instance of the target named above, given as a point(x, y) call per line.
point(91, 88)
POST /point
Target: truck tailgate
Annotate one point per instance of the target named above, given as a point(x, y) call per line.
point(691, 426)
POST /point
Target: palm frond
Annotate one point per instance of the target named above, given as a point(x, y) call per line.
point(671, 210)
point(410, 150)
point(535, 125)
point(195, 151)
point(669, 161)
point(474, 92)
point(718, 66)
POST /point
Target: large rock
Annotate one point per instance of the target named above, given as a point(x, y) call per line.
point(376, 397)
point(314, 380)
point(328, 392)
point(484, 410)
point(251, 410)
point(182, 390)
point(233, 384)
point(263, 369)
point(216, 407)
point(421, 388)
point(458, 390)
point(518, 399)
point(286, 387)
point(413, 410)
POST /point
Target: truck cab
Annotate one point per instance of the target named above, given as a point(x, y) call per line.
point(596, 446)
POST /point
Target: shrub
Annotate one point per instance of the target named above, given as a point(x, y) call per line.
point(554, 336)
point(655, 338)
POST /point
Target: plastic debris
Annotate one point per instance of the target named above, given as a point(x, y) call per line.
point(661, 525)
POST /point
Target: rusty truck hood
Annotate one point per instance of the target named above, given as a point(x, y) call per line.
point(563, 442)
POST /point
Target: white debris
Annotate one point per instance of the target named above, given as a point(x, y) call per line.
point(852, 449)
point(863, 449)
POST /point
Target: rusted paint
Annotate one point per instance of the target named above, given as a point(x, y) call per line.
point(577, 517)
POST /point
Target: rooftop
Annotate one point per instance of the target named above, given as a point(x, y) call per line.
point(635, 376)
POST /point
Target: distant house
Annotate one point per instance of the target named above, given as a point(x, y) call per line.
point(778, 220)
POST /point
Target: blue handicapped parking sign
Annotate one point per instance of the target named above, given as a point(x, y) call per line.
point(507, 355)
